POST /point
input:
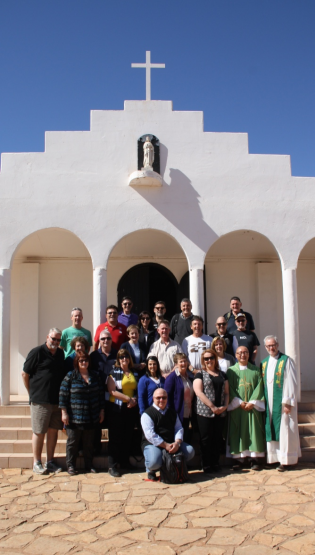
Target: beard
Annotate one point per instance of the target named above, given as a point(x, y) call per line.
point(52, 345)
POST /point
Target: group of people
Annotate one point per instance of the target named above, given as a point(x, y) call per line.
point(152, 383)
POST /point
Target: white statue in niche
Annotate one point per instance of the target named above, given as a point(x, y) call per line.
point(148, 151)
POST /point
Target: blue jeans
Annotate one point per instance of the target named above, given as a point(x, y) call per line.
point(153, 456)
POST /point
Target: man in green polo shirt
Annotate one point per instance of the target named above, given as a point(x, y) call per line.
point(75, 330)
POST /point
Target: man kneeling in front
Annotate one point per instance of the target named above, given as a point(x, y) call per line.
point(162, 429)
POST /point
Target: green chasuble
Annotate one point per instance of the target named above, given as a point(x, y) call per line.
point(246, 429)
point(273, 426)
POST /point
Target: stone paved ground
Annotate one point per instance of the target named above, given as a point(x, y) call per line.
point(252, 513)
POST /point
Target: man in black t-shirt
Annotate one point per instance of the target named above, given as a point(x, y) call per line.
point(43, 372)
point(221, 331)
point(244, 338)
point(235, 309)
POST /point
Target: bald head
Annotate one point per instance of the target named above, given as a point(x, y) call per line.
point(160, 398)
point(242, 355)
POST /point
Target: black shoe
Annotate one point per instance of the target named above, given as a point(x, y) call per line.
point(152, 476)
point(72, 471)
point(208, 470)
point(114, 472)
point(216, 468)
point(255, 465)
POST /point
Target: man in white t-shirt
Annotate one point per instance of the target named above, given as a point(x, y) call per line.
point(194, 345)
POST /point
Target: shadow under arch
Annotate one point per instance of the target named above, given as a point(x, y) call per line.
point(160, 263)
point(49, 241)
point(245, 263)
point(148, 283)
point(51, 272)
point(147, 242)
point(306, 306)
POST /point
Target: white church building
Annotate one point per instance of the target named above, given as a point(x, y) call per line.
point(79, 228)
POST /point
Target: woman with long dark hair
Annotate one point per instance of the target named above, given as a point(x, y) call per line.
point(151, 381)
point(122, 386)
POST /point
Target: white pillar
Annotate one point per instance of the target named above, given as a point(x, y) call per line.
point(291, 319)
point(196, 291)
point(99, 296)
point(5, 278)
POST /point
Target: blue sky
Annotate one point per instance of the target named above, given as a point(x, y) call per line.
point(249, 65)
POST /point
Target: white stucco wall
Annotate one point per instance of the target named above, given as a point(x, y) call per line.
point(211, 186)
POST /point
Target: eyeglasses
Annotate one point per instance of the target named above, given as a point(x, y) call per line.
point(111, 313)
point(126, 304)
point(208, 358)
point(241, 320)
point(105, 338)
point(124, 356)
point(146, 318)
point(160, 307)
point(55, 339)
point(271, 346)
point(242, 353)
point(83, 362)
point(161, 397)
point(221, 324)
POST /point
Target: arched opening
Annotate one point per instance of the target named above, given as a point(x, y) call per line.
point(147, 283)
point(51, 274)
point(148, 265)
point(246, 264)
point(306, 307)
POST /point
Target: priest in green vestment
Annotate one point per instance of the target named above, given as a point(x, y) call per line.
point(246, 434)
point(281, 393)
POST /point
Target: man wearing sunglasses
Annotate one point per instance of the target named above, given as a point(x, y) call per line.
point(43, 372)
point(126, 317)
point(221, 331)
point(245, 338)
point(162, 429)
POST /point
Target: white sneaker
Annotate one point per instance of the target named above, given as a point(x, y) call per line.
point(39, 469)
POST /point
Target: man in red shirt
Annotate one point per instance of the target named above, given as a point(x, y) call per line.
point(118, 331)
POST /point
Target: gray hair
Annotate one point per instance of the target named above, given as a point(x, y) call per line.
point(270, 337)
point(76, 308)
point(54, 330)
point(106, 332)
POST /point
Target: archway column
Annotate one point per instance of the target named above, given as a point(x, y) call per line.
point(99, 296)
point(5, 284)
point(196, 291)
point(291, 319)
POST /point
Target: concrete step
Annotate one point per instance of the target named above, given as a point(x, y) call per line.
point(308, 406)
point(307, 429)
point(25, 446)
point(23, 433)
point(307, 441)
point(306, 417)
point(21, 421)
point(15, 410)
point(25, 460)
point(308, 454)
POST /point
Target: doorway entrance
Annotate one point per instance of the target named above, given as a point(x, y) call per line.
point(150, 282)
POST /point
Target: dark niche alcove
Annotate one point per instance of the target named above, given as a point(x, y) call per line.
point(156, 145)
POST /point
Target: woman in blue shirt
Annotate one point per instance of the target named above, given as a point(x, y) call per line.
point(151, 381)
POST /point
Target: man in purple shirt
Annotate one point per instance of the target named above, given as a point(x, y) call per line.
point(126, 317)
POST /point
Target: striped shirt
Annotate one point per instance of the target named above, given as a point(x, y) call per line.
point(82, 401)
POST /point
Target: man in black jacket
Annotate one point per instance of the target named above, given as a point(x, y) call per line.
point(181, 323)
point(162, 429)
point(221, 331)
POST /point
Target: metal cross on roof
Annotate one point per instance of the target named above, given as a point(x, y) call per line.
point(148, 67)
